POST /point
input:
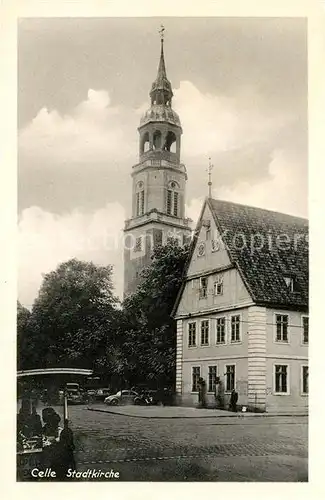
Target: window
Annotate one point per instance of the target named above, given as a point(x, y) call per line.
point(235, 328)
point(203, 290)
point(191, 334)
point(291, 283)
point(175, 208)
point(218, 286)
point(281, 379)
point(140, 203)
point(221, 330)
point(205, 332)
point(208, 233)
point(169, 202)
point(138, 245)
point(230, 378)
point(173, 199)
point(212, 375)
point(305, 329)
point(281, 327)
point(305, 374)
point(196, 374)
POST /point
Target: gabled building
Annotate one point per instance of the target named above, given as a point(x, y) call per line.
point(242, 312)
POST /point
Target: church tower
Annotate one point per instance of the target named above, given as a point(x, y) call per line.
point(159, 179)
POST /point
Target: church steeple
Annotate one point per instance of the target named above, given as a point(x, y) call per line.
point(159, 180)
point(161, 90)
point(160, 127)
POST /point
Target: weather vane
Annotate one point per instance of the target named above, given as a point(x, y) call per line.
point(162, 32)
point(209, 170)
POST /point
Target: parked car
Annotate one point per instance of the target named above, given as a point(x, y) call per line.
point(102, 393)
point(121, 397)
point(143, 399)
point(76, 397)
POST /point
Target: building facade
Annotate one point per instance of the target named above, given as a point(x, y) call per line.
point(158, 183)
point(242, 313)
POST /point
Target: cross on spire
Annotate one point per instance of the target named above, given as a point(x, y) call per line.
point(209, 170)
point(162, 32)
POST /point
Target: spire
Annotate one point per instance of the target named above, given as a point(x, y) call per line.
point(209, 170)
point(161, 90)
point(161, 68)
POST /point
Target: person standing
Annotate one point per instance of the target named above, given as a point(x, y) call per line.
point(216, 392)
point(204, 394)
point(199, 388)
point(64, 457)
point(233, 400)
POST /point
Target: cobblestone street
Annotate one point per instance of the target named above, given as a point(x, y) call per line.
point(209, 449)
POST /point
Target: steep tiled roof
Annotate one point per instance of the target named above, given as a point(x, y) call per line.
point(264, 267)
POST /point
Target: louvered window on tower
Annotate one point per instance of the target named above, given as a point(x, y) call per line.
point(169, 202)
point(175, 211)
point(140, 203)
point(138, 244)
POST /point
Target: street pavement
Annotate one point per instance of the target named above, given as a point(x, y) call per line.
point(191, 449)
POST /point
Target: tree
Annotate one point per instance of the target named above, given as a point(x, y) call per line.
point(23, 347)
point(74, 314)
point(149, 329)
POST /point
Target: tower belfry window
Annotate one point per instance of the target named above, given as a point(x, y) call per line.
point(175, 207)
point(140, 199)
point(173, 199)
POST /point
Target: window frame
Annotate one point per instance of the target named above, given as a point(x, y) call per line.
point(188, 335)
point(139, 202)
point(173, 199)
point(136, 248)
point(302, 380)
point(303, 316)
point(240, 329)
point(200, 375)
point(201, 296)
point(275, 393)
point(228, 391)
point(225, 330)
point(275, 340)
point(209, 332)
point(212, 391)
point(217, 282)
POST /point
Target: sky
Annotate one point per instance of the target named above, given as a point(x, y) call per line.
point(240, 89)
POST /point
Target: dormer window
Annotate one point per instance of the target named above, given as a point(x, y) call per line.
point(291, 283)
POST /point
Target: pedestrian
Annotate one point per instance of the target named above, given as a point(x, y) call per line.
point(199, 388)
point(219, 393)
point(35, 423)
point(233, 400)
point(216, 391)
point(204, 394)
point(23, 418)
point(64, 456)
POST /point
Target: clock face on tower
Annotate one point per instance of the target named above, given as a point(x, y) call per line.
point(201, 249)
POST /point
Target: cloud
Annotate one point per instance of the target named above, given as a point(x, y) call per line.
point(91, 133)
point(285, 190)
point(46, 239)
point(219, 123)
